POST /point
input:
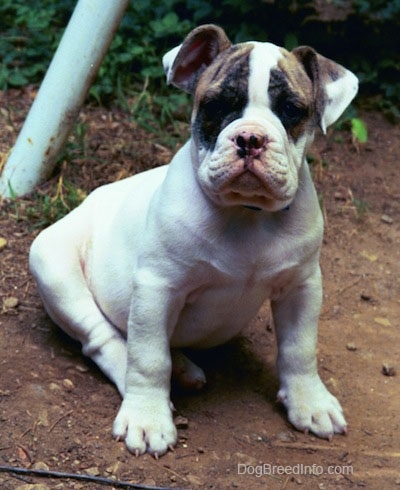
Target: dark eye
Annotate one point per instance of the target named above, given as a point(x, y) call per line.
point(291, 113)
point(214, 108)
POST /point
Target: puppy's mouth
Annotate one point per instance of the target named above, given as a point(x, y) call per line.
point(257, 188)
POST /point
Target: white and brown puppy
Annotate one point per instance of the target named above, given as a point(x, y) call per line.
point(185, 254)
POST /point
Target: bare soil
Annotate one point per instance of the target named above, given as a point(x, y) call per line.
point(57, 409)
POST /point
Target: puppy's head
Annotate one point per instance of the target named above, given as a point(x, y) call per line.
point(256, 107)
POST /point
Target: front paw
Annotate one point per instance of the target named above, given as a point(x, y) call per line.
point(145, 425)
point(311, 407)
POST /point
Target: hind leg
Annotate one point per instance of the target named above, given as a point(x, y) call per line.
point(71, 305)
point(186, 372)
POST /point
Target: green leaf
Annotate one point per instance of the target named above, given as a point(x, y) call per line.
point(291, 41)
point(359, 130)
point(17, 79)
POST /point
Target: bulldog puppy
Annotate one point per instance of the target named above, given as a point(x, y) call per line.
point(186, 254)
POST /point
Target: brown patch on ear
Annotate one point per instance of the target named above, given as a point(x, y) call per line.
point(309, 59)
point(198, 51)
point(321, 71)
point(330, 70)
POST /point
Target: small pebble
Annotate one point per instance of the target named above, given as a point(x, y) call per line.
point(286, 436)
point(386, 219)
point(351, 346)
point(54, 387)
point(81, 368)
point(388, 369)
point(68, 384)
point(10, 302)
point(40, 465)
point(33, 486)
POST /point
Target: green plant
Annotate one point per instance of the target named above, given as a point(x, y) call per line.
point(361, 206)
point(134, 56)
point(29, 35)
point(30, 32)
point(351, 120)
point(359, 130)
point(45, 209)
point(378, 10)
point(162, 114)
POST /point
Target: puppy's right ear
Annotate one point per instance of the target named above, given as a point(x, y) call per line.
point(334, 86)
point(184, 64)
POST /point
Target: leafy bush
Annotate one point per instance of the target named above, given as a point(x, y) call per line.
point(362, 34)
point(29, 35)
point(377, 56)
point(378, 10)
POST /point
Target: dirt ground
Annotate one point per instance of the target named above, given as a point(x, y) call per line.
point(56, 408)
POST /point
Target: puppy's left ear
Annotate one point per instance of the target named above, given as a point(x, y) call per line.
point(184, 64)
point(335, 86)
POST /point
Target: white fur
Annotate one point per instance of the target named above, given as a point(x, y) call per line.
point(168, 60)
point(339, 94)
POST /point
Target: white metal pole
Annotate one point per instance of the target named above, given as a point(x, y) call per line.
point(74, 66)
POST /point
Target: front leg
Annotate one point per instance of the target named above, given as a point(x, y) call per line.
point(144, 420)
point(309, 404)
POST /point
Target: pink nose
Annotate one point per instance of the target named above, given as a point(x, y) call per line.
point(250, 144)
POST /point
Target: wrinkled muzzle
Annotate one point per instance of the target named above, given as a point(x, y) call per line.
point(251, 164)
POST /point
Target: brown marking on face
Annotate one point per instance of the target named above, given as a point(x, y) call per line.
point(222, 93)
point(293, 92)
point(225, 69)
point(296, 75)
